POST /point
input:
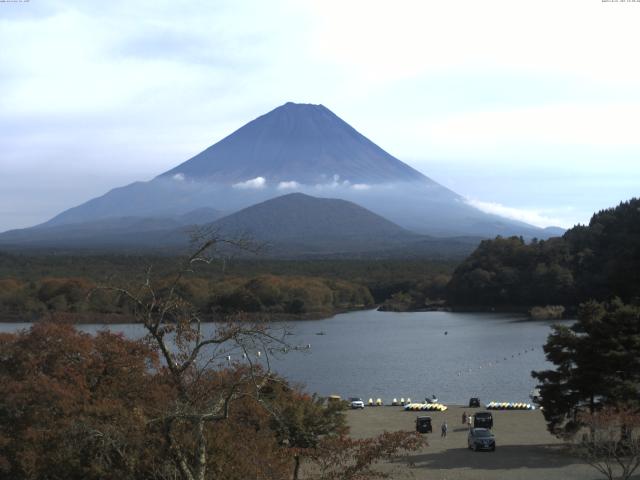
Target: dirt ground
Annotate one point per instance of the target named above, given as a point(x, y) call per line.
point(524, 448)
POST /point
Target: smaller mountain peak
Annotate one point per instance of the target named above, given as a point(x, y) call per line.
point(294, 195)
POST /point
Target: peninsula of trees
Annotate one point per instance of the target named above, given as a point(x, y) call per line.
point(598, 261)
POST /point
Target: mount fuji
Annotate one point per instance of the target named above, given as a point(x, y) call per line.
point(301, 148)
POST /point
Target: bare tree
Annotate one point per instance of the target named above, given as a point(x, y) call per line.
point(344, 458)
point(612, 443)
point(195, 356)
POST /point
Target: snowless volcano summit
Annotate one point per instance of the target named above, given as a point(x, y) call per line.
point(300, 148)
point(302, 143)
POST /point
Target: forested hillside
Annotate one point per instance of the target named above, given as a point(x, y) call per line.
point(79, 299)
point(598, 261)
point(40, 286)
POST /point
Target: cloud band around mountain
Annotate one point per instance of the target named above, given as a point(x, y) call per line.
point(252, 184)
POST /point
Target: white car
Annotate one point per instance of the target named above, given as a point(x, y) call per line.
point(356, 402)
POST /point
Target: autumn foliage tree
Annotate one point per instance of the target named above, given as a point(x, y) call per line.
point(611, 441)
point(77, 406)
point(189, 401)
point(344, 458)
point(73, 405)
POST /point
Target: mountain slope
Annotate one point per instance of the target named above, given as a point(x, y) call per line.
point(292, 226)
point(112, 232)
point(296, 225)
point(298, 148)
point(300, 217)
point(304, 143)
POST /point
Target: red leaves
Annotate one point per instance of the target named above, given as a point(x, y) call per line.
point(611, 441)
point(90, 407)
point(343, 458)
point(55, 380)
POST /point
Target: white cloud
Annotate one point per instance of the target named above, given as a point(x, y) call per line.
point(387, 41)
point(335, 183)
point(495, 83)
point(360, 186)
point(560, 124)
point(179, 177)
point(291, 185)
point(527, 215)
point(255, 184)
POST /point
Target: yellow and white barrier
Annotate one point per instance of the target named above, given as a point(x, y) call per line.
point(510, 406)
point(425, 407)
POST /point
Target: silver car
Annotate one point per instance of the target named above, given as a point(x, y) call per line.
point(481, 439)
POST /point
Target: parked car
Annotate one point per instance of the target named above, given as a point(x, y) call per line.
point(481, 439)
point(423, 425)
point(474, 402)
point(356, 402)
point(483, 420)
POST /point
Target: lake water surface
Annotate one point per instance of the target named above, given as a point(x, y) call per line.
point(388, 354)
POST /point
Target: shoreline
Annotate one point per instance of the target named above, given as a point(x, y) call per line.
point(569, 312)
point(87, 318)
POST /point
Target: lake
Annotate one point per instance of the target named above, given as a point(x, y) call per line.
point(454, 356)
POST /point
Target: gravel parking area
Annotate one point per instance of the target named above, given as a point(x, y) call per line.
point(524, 448)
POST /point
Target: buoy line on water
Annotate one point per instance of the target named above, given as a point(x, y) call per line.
point(258, 354)
point(510, 406)
point(494, 363)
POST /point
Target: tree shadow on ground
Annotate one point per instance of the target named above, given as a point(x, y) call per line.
point(504, 458)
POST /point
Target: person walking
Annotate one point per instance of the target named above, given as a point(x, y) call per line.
point(464, 418)
point(444, 429)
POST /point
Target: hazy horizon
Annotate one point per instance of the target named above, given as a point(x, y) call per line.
point(527, 110)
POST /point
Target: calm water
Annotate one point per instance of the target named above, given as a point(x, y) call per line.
point(386, 354)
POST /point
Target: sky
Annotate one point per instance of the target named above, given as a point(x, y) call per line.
point(527, 109)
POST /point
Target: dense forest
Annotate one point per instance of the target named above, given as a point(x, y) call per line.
point(597, 261)
point(34, 287)
point(83, 300)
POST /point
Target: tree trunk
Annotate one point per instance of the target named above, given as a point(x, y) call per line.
point(296, 467)
point(201, 454)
